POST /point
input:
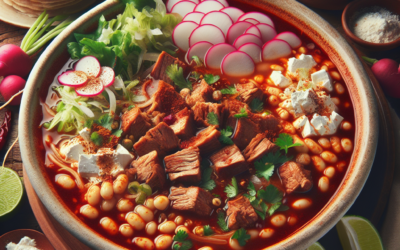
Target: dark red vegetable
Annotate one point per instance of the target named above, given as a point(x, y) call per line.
point(5, 128)
point(169, 119)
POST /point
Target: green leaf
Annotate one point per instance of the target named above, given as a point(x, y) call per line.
point(249, 197)
point(96, 139)
point(256, 105)
point(275, 159)
point(140, 4)
point(273, 208)
point(221, 222)
point(207, 230)
point(206, 182)
point(263, 213)
point(94, 35)
point(118, 132)
point(285, 141)
point(197, 60)
point(225, 136)
point(270, 194)
point(264, 170)
point(105, 121)
point(176, 74)
point(241, 236)
point(242, 114)
point(232, 190)
point(131, 107)
point(252, 189)
point(267, 112)
point(282, 208)
point(74, 49)
point(194, 75)
point(181, 237)
point(212, 118)
point(211, 79)
point(101, 51)
point(230, 90)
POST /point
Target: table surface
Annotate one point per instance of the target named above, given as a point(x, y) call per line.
point(23, 216)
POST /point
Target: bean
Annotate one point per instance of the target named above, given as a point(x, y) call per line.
point(107, 191)
point(288, 127)
point(335, 142)
point(125, 205)
point(346, 125)
point(329, 157)
point(283, 97)
point(302, 50)
point(282, 113)
point(259, 79)
point(273, 100)
point(253, 233)
point(109, 225)
point(292, 220)
point(144, 212)
point(143, 243)
point(341, 166)
point(234, 244)
point(335, 75)
point(65, 181)
point(267, 233)
point(126, 230)
point(161, 202)
point(93, 195)
point(302, 203)
point(270, 82)
point(120, 184)
point(324, 67)
point(206, 248)
point(277, 67)
point(329, 64)
point(150, 204)
point(313, 146)
point(323, 184)
point(335, 100)
point(317, 58)
point(89, 212)
point(339, 88)
point(198, 230)
point(151, 228)
point(135, 221)
point(278, 220)
point(163, 241)
point(167, 227)
point(303, 158)
point(273, 91)
point(324, 143)
point(329, 172)
point(108, 205)
point(347, 145)
point(179, 220)
point(301, 149)
point(216, 202)
point(318, 163)
point(181, 228)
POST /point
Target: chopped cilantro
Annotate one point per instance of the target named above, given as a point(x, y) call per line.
point(216, 195)
point(96, 138)
point(221, 222)
point(282, 208)
point(105, 121)
point(212, 118)
point(194, 75)
point(230, 90)
point(176, 74)
point(275, 159)
point(226, 136)
point(285, 141)
point(273, 208)
point(131, 107)
point(232, 190)
point(241, 236)
point(206, 182)
point(88, 124)
point(207, 230)
point(256, 105)
point(252, 189)
point(211, 79)
point(197, 60)
point(270, 194)
point(267, 112)
point(264, 170)
point(183, 243)
point(117, 132)
point(242, 114)
point(263, 212)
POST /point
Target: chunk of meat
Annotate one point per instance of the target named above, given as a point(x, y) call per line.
point(207, 141)
point(135, 122)
point(258, 147)
point(267, 123)
point(231, 107)
point(161, 138)
point(184, 166)
point(295, 177)
point(240, 213)
point(148, 170)
point(248, 92)
point(244, 131)
point(184, 126)
point(228, 161)
point(201, 111)
point(160, 67)
point(167, 100)
point(191, 199)
point(202, 92)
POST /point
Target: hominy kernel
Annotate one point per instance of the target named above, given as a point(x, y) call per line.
point(346, 125)
point(106, 190)
point(283, 114)
point(65, 181)
point(144, 212)
point(301, 149)
point(151, 228)
point(339, 88)
point(135, 221)
point(167, 227)
point(109, 225)
point(347, 145)
point(161, 202)
point(313, 146)
point(273, 100)
point(302, 50)
point(234, 244)
point(108, 205)
point(302, 204)
point(93, 195)
point(303, 158)
point(277, 67)
point(259, 79)
point(329, 64)
point(318, 163)
point(329, 157)
point(324, 143)
point(273, 91)
point(335, 75)
point(266, 233)
point(143, 243)
point(125, 205)
point(89, 212)
point(163, 242)
point(278, 220)
point(126, 230)
point(253, 233)
point(324, 67)
point(150, 203)
point(335, 142)
point(323, 184)
point(329, 172)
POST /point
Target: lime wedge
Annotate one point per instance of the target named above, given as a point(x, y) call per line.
point(316, 246)
point(358, 233)
point(11, 190)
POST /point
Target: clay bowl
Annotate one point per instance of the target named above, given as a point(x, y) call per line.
point(340, 52)
point(326, 4)
point(15, 236)
point(354, 7)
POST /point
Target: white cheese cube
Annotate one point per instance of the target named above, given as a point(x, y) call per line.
point(87, 166)
point(304, 62)
point(303, 102)
point(85, 133)
point(300, 122)
point(329, 106)
point(76, 146)
point(320, 123)
point(308, 130)
point(280, 80)
point(335, 120)
point(123, 156)
point(322, 79)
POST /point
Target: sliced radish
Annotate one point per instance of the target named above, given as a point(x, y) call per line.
point(92, 88)
point(107, 76)
point(267, 32)
point(89, 65)
point(216, 53)
point(198, 49)
point(73, 78)
point(207, 33)
point(223, 2)
point(247, 38)
point(171, 3)
point(251, 20)
point(262, 18)
point(236, 30)
point(181, 34)
point(233, 12)
point(208, 6)
point(183, 7)
point(253, 30)
point(219, 19)
point(275, 49)
point(293, 40)
point(194, 17)
point(237, 64)
point(253, 50)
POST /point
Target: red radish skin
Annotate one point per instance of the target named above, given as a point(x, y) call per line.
point(233, 12)
point(237, 64)
point(387, 72)
point(107, 76)
point(198, 49)
point(219, 19)
point(251, 20)
point(89, 65)
point(291, 38)
point(247, 38)
point(73, 78)
point(208, 6)
point(236, 30)
point(253, 30)
point(10, 86)
point(216, 53)
point(253, 50)
point(275, 49)
point(267, 32)
point(194, 17)
point(207, 33)
point(181, 34)
point(171, 3)
point(183, 7)
point(262, 18)
point(14, 61)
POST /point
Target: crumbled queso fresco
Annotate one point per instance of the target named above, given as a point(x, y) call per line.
point(25, 243)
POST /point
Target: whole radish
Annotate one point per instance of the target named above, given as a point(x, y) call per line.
point(10, 86)
point(14, 61)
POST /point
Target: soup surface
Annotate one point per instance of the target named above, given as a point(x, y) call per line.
point(214, 144)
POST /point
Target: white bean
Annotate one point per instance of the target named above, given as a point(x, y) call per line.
point(346, 125)
point(253, 233)
point(302, 203)
point(120, 184)
point(161, 202)
point(234, 244)
point(313, 146)
point(335, 142)
point(278, 220)
point(143, 243)
point(93, 195)
point(89, 212)
point(109, 225)
point(335, 75)
point(273, 100)
point(179, 220)
point(144, 212)
point(303, 158)
point(126, 230)
point(65, 181)
point(150, 204)
point(267, 233)
point(323, 184)
point(329, 172)
point(318, 163)
point(324, 143)
point(339, 88)
point(347, 145)
point(125, 205)
point(135, 221)
point(163, 242)
point(181, 228)
point(106, 190)
point(151, 228)
point(108, 205)
point(167, 227)
point(288, 128)
point(273, 91)
point(283, 114)
point(329, 157)
point(301, 149)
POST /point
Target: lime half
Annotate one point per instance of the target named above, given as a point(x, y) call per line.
point(11, 190)
point(316, 246)
point(358, 233)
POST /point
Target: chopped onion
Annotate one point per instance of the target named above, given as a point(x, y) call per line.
point(152, 87)
point(86, 110)
point(113, 101)
point(146, 104)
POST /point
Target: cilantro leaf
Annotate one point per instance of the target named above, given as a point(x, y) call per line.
point(207, 230)
point(241, 236)
point(282, 208)
point(183, 244)
point(197, 60)
point(131, 107)
point(267, 112)
point(176, 74)
point(252, 189)
point(232, 190)
point(256, 105)
point(251, 198)
point(270, 194)
point(88, 124)
point(105, 121)
point(117, 133)
point(180, 236)
point(263, 213)
point(194, 75)
point(212, 118)
point(275, 159)
point(285, 141)
point(242, 114)
point(211, 79)
point(230, 90)
point(273, 208)
point(264, 170)
point(226, 136)
point(206, 182)
point(96, 138)
point(221, 222)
